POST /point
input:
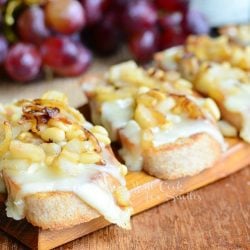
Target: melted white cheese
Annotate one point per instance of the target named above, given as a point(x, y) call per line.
point(186, 128)
point(181, 128)
point(40, 178)
point(116, 114)
point(132, 156)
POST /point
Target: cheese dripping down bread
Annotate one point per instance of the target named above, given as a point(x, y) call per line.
point(58, 169)
point(150, 116)
point(219, 70)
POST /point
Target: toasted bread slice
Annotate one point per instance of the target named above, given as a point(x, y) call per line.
point(185, 157)
point(230, 88)
point(55, 210)
point(58, 169)
point(154, 124)
point(213, 75)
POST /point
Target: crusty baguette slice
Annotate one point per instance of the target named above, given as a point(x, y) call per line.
point(226, 85)
point(53, 210)
point(57, 210)
point(186, 157)
point(58, 169)
point(230, 88)
point(155, 110)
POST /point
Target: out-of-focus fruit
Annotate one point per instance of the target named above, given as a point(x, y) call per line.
point(196, 23)
point(119, 3)
point(143, 45)
point(2, 2)
point(173, 5)
point(139, 15)
point(3, 49)
point(172, 32)
point(94, 9)
point(104, 37)
point(23, 62)
point(169, 20)
point(79, 66)
point(65, 16)
point(31, 25)
point(65, 56)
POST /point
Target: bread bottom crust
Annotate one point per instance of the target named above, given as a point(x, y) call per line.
point(186, 157)
point(57, 210)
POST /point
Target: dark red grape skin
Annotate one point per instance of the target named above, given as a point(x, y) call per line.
point(139, 15)
point(104, 37)
point(3, 49)
point(94, 10)
point(79, 66)
point(170, 20)
point(172, 31)
point(31, 25)
point(173, 5)
point(2, 2)
point(196, 23)
point(23, 62)
point(64, 56)
point(143, 45)
point(65, 16)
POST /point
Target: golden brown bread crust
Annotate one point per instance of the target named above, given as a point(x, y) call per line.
point(53, 210)
point(57, 210)
point(185, 157)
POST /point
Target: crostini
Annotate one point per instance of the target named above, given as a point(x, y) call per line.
point(169, 133)
point(227, 85)
point(205, 48)
point(58, 169)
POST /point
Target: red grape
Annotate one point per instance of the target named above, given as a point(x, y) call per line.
point(79, 66)
point(2, 2)
point(23, 62)
point(94, 9)
point(139, 15)
point(171, 20)
point(196, 23)
point(173, 5)
point(172, 33)
point(143, 45)
point(119, 3)
point(104, 37)
point(65, 56)
point(3, 49)
point(31, 25)
point(65, 16)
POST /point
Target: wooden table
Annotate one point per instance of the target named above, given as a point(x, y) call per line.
point(214, 217)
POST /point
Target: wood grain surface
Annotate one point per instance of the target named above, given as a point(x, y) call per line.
point(214, 217)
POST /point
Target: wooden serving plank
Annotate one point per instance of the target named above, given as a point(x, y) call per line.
point(146, 192)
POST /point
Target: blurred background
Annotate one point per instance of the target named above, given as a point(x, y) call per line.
point(43, 39)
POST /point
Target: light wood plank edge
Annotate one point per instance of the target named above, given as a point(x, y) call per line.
point(146, 192)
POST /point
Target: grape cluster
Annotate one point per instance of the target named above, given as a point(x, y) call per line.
point(58, 34)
